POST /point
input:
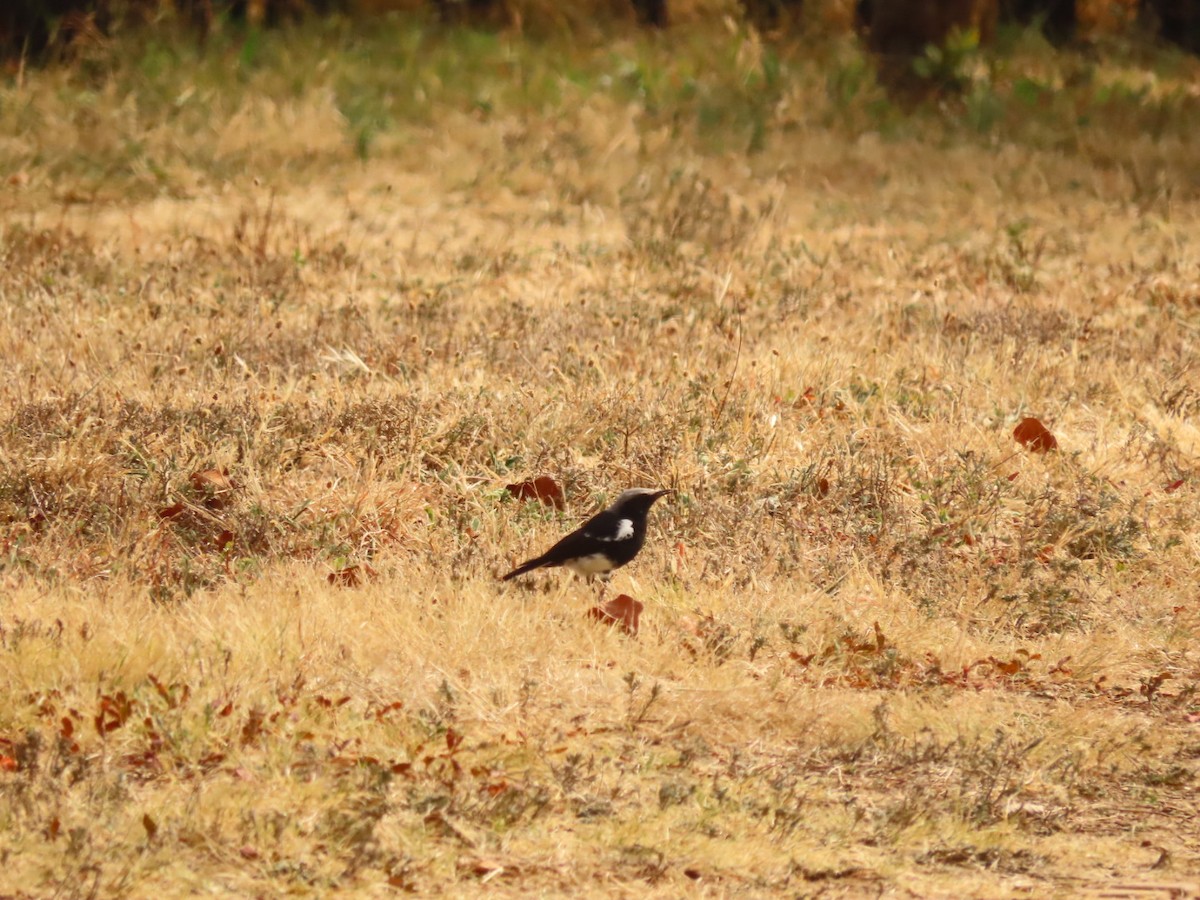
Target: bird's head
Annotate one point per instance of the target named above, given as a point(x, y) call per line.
point(637, 500)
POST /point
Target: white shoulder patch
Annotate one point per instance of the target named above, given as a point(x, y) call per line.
point(623, 533)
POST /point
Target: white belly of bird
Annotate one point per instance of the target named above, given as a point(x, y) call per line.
point(588, 566)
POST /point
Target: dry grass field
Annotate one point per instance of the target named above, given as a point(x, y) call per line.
point(283, 317)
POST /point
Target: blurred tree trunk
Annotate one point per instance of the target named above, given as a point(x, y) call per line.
point(767, 15)
point(652, 12)
point(1178, 22)
point(38, 28)
point(1057, 17)
point(473, 12)
point(898, 31)
point(903, 28)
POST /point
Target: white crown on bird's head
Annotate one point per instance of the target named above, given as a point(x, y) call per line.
point(633, 493)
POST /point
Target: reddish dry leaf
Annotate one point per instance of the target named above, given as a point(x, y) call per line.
point(808, 398)
point(1151, 685)
point(209, 760)
point(8, 764)
point(391, 707)
point(453, 739)
point(351, 576)
point(543, 489)
point(115, 709)
point(880, 639)
point(150, 825)
point(325, 703)
point(253, 727)
point(164, 692)
point(225, 541)
point(487, 869)
point(1061, 667)
point(214, 485)
point(172, 511)
point(211, 481)
point(1033, 435)
point(623, 611)
point(248, 853)
point(1174, 486)
point(348, 761)
point(145, 763)
point(1012, 667)
point(496, 788)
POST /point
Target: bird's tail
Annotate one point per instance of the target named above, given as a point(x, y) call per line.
point(524, 567)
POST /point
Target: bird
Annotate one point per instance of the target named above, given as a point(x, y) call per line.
point(606, 541)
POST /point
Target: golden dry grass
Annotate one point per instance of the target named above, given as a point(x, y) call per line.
point(885, 651)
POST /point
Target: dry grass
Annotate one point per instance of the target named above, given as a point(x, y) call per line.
point(885, 650)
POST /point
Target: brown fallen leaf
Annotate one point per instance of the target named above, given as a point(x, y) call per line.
point(487, 869)
point(1033, 435)
point(214, 486)
point(543, 489)
point(1010, 667)
point(1150, 686)
point(173, 511)
point(351, 576)
point(621, 611)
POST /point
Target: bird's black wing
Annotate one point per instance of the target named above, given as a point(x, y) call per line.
point(587, 539)
point(601, 527)
point(584, 541)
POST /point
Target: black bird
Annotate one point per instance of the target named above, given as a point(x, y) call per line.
point(606, 541)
